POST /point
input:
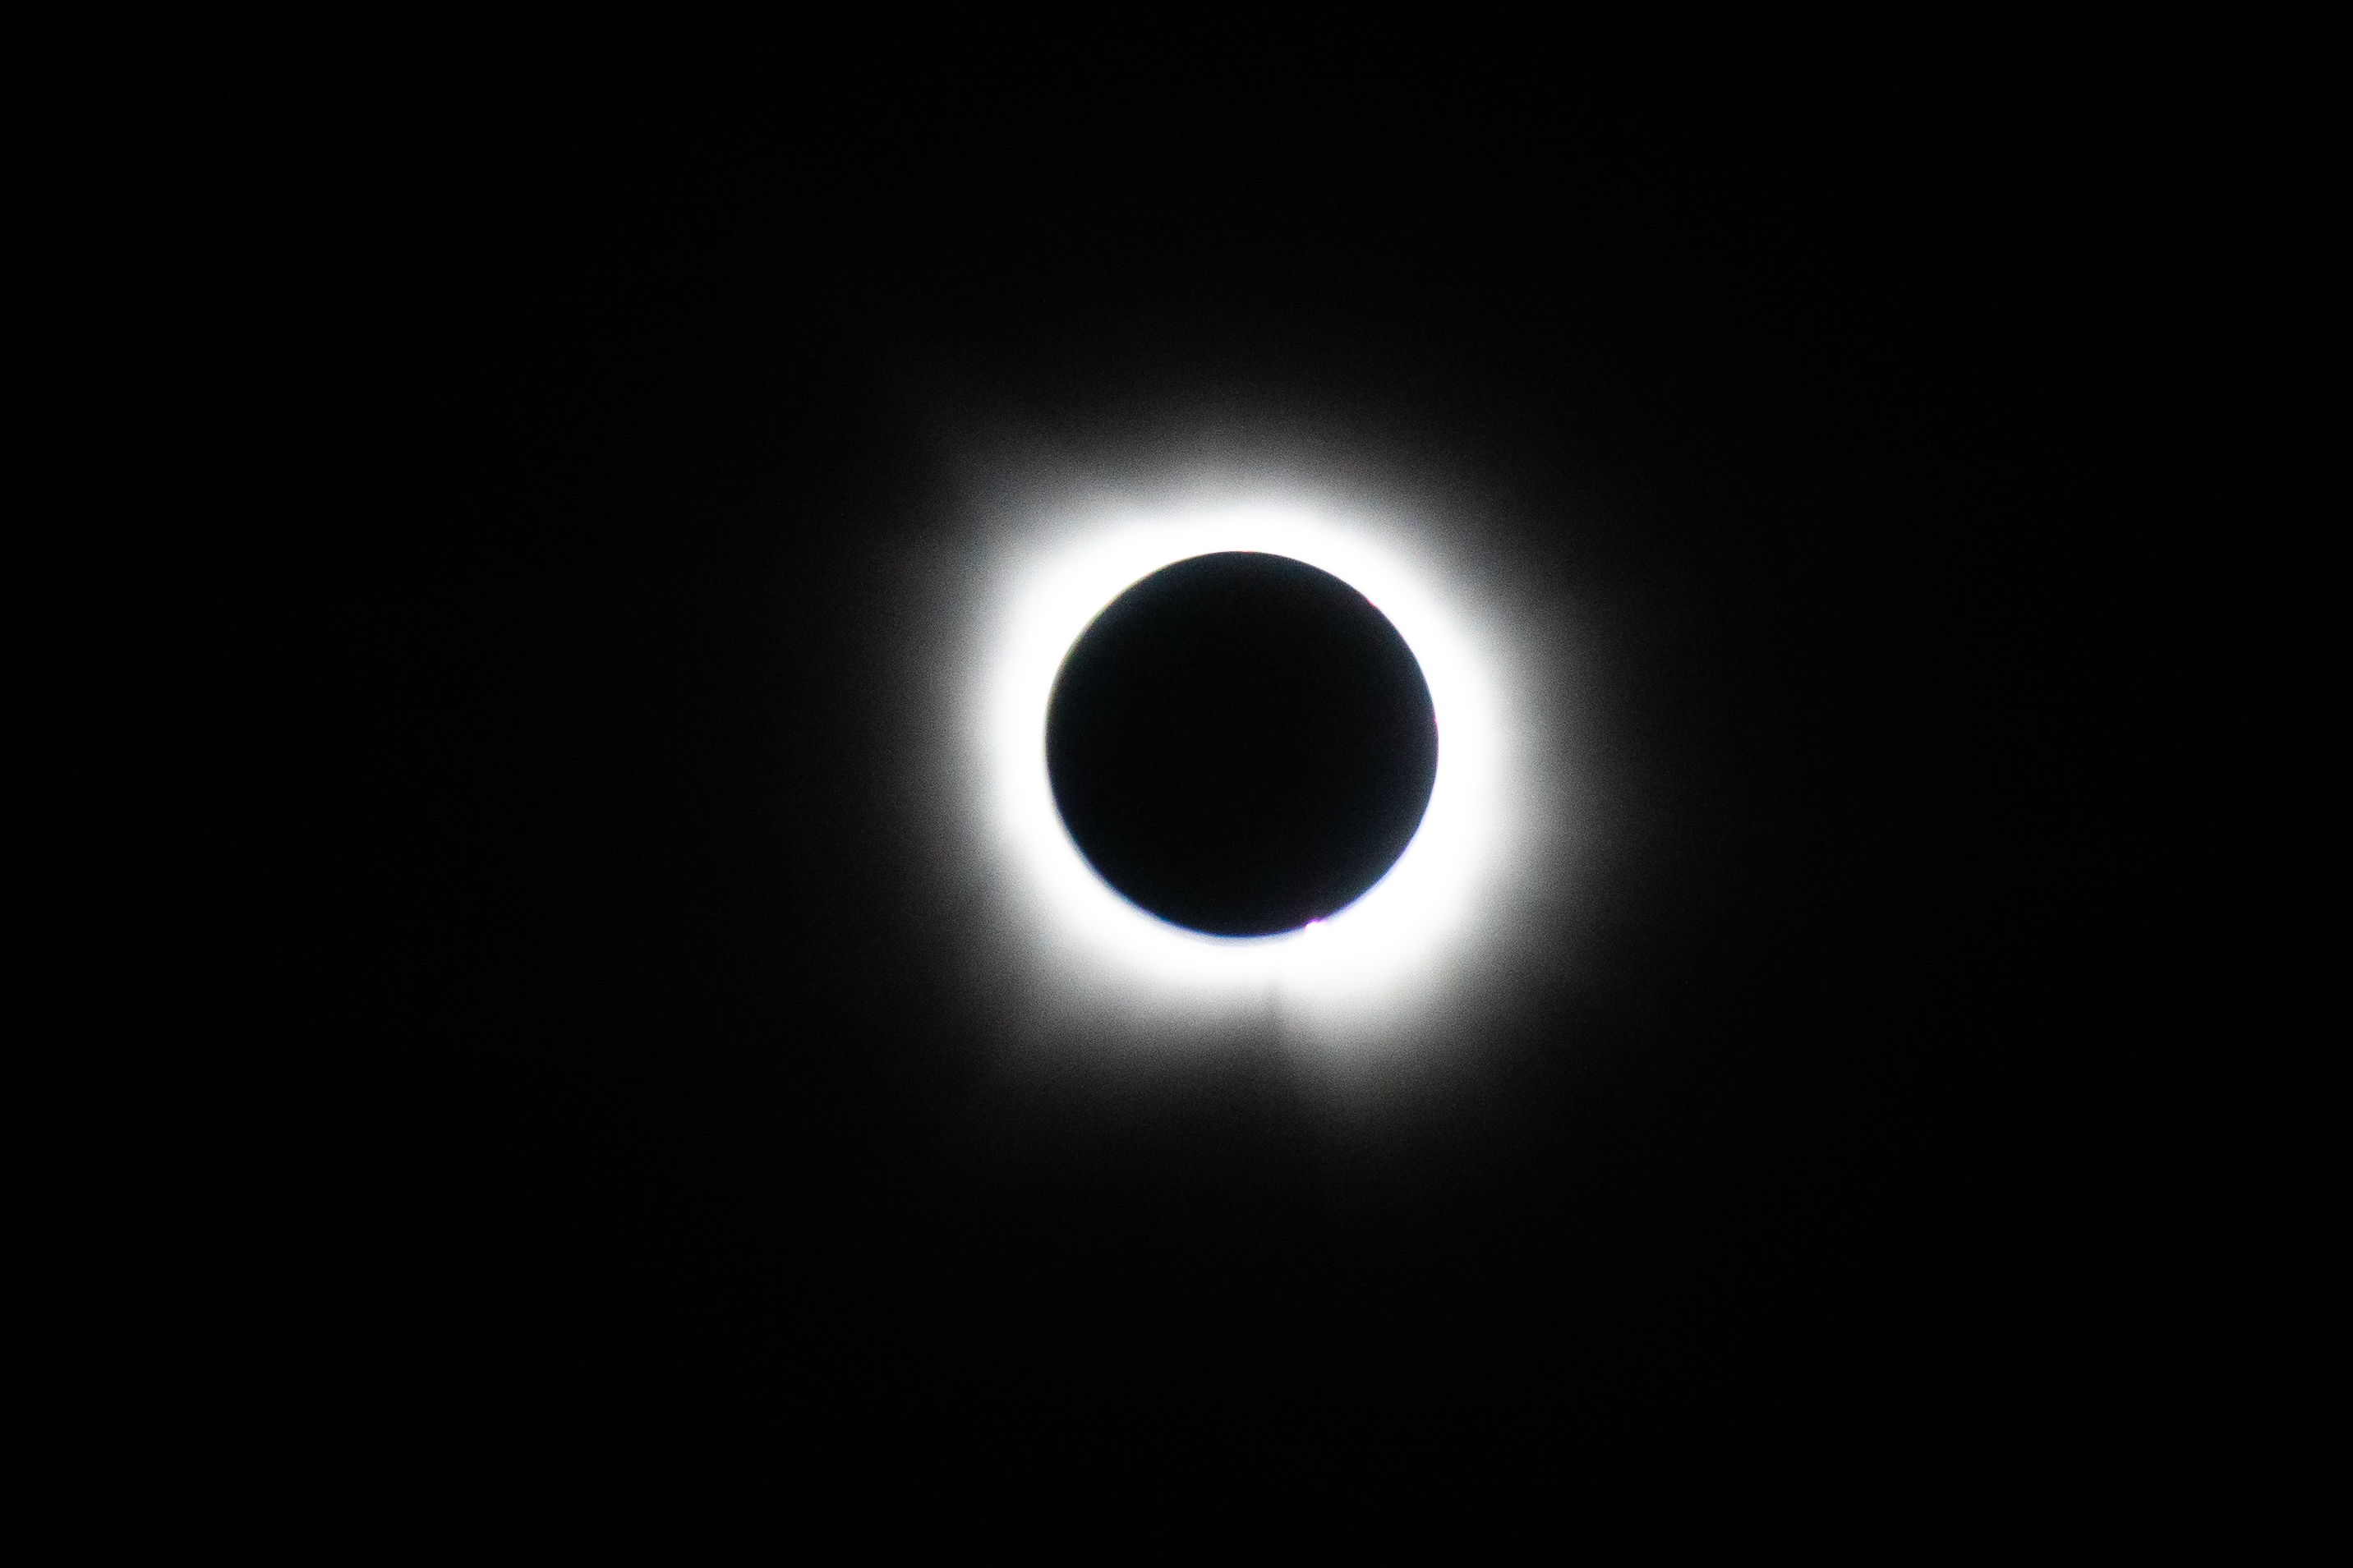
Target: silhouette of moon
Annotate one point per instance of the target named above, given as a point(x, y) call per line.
point(1241, 745)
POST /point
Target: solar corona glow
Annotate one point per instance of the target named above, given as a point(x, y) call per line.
point(1369, 968)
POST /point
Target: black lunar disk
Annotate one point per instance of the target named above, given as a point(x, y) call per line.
point(1241, 744)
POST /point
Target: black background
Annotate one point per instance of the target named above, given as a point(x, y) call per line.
point(671, 1083)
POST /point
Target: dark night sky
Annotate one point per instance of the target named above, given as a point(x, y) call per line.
point(695, 1090)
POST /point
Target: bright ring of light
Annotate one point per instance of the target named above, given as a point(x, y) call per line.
point(1371, 966)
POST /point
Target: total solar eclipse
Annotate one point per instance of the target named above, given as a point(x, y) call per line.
point(1241, 745)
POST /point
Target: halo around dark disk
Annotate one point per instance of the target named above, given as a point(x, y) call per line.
point(1241, 744)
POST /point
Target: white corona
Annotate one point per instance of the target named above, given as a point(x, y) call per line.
point(1386, 965)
